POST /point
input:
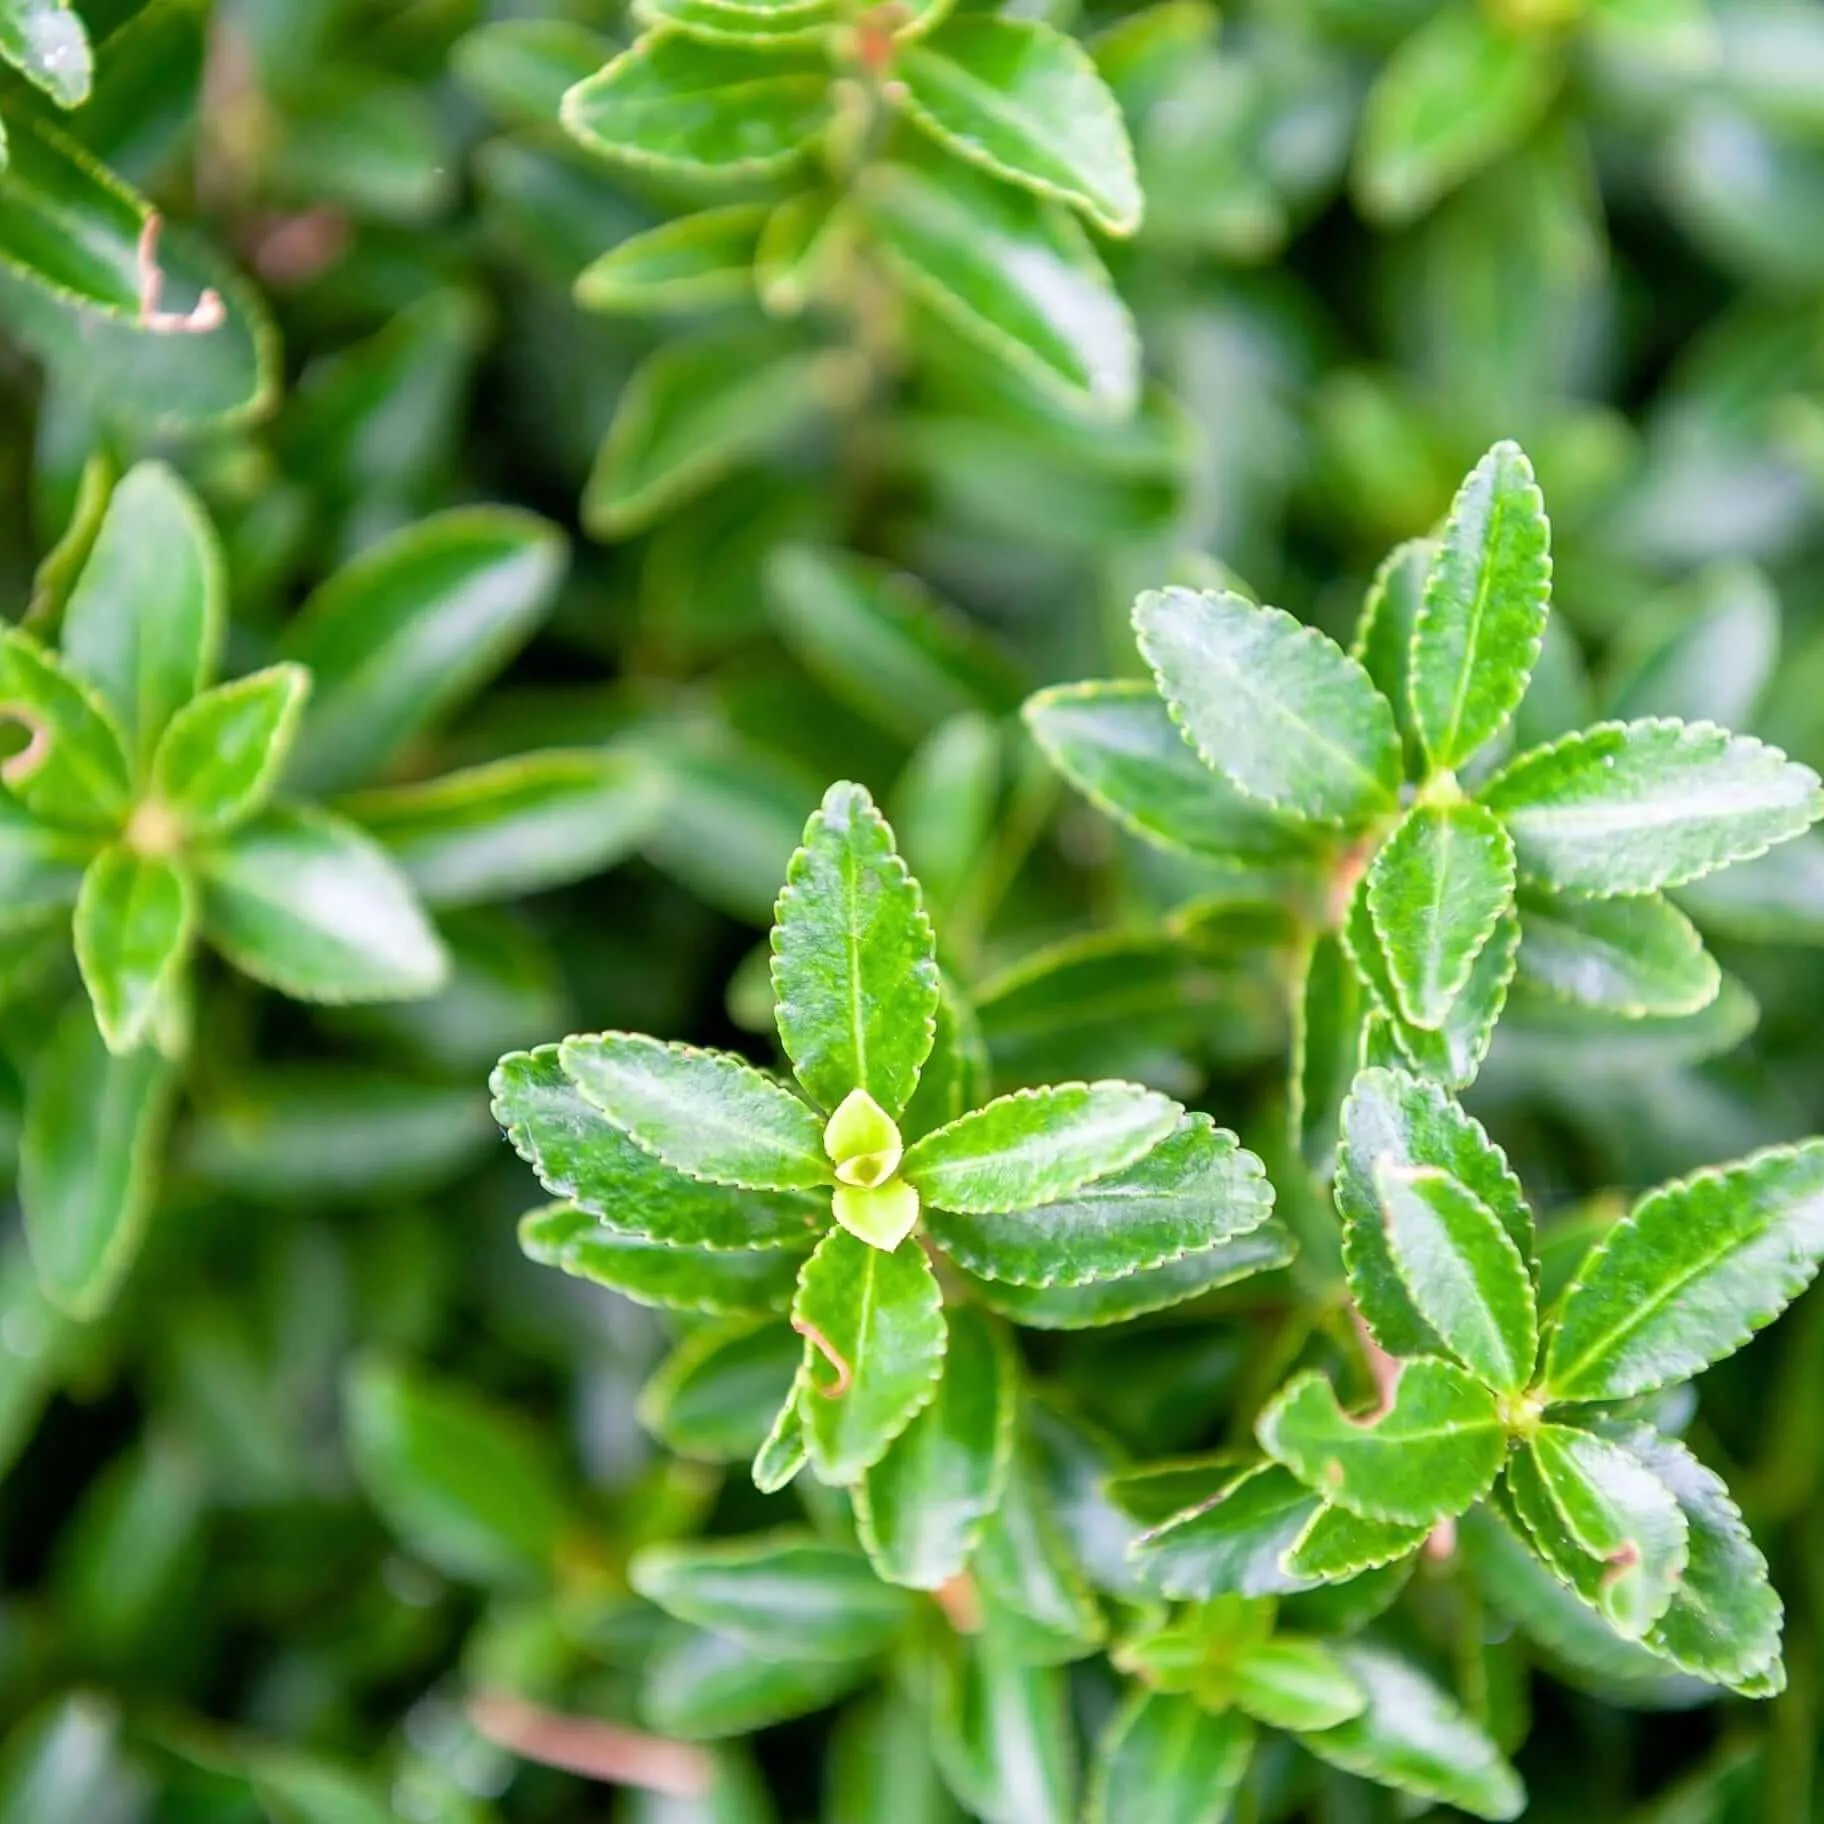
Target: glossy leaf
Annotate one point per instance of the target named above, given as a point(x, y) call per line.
point(1337, 1545)
point(717, 23)
point(1604, 1522)
point(1168, 1760)
point(1283, 714)
point(1002, 1731)
point(1484, 607)
point(1011, 274)
point(1194, 1190)
point(854, 963)
point(1431, 1453)
point(135, 920)
point(1396, 1122)
point(87, 1160)
point(40, 867)
point(45, 42)
point(1688, 1276)
point(221, 755)
point(723, 1281)
point(1632, 807)
point(464, 1484)
point(1037, 1146)
point(696, 261)
point(715, 1397)
point(515, 826)
point(1465, 1276)
point(1390, 612)
point(1232, 1544)
point(1436, 891)
point(704, 1113)
point(1296, 1684)
point(143, 625)
point(1415, 1738)
point(306, 903)
point(412, 627)
point(776, 1591)
point(582, 1157)
point(71, 768)
point(1118, 745)
point(873, 1325)
point(702, 1687)
point(922, 1507)
point(1024, 102)
point(1639, 957)
point(689, 109)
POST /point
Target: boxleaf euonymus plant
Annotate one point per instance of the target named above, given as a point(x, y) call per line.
point(907, 164)
point(693, 1179)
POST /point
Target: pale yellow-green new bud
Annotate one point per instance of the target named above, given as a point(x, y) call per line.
point(882, 1215)
point(862, 1142)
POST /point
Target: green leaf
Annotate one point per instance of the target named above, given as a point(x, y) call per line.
point(695, 262)
point(1432, 1452)
point(880, 641)
point(1639, 958)
point(854, 963)
point(783, 1452)
point(724, 1281)
point(464, 1484)
point(1688, 1276)
point(1715, 664)
point(1337, 1545)
point(717, 22)
point(1463, 89)
point(1465, 1275)
point(149, 331)
point(222, 753)
point(700, 407)
point(1234, 1543)
point(72, 768)
point(705, 1687)
point(1390, 612)
point(1003, 1735)
point(1723, 1622)
point(1194, 1190)
point(1632, 807)
point(41, 868)
point(516, 826)
point(1118, 745)
point(1297, 1684)
point(688, 109)
point(1436, 890)
point(44, 40)
point(88, 1160)
point(873, 1324)
point(143, 625)
point(1013, 275)
point(881, 1769)
point(707, 1114)
point(582, 1157)
point(1168, 1760)
point(921, 1508)
point(715, 1396)
point(1115, 1301)
point(135, 920)
point(1603, 1522)
point(776, 1592)
point(1037, 1146)
point(1035, 1598)
point(309, 905)
point(1483, 613)
point(1415, 1739)
point(410, 629)
point(1279, 710)
point(518, 69)
point(1396, 1122)
point(1023, 101)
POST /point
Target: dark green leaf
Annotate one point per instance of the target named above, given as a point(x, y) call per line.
point(1638, 957)
point(1168, 1760)
point(708, 1114)
point(854, 963)
point(1024, 102)
point(1688, 1276)
point(40, 867)
point(704, 1687)
point(1283, 714)
point(718, 1392)
point(873, 1325)
point(72, 768)
point(306, 903)
point(1390, 612)
point(1433, 1450)
point(1632, 807)
point(1484, 608)
point(1233, 1544)
point(88, 1160)
point(1003, 1737)
point(520, 68)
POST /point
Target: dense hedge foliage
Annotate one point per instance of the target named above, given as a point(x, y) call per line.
point(1145, 1256)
